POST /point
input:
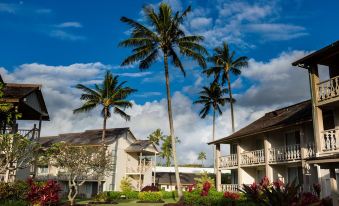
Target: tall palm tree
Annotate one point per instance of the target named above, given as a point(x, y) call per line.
point(163, 36)
point(225, 63)
point(109, 95)
point(212, 97)
point(202, 157)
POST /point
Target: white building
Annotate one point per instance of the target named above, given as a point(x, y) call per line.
point(131, 157)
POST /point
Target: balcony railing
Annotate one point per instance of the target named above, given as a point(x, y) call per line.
point(328, 89)
point(31, 134)
point(285, 153)
point(230, 187)
point(229, 160)
point(253, 157)
point(310, 150)
point(139, 169)
point(329, 140)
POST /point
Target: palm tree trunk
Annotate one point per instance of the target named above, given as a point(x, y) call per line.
point(214, 150)
point(104, 126)
point(170, 118)
point(231, 101)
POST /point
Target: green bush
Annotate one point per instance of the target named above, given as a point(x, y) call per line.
point(150, 196)
point(13, 191)
point(13, 203)
point(126, 184)
point(113, 196)
point(169, 195)
point(131, 195)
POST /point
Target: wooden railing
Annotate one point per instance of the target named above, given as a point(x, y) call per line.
point(229, 161)
point(328, 89)
point(329, 140)
point(253, 157)
point(285, 153)
point(230, 187)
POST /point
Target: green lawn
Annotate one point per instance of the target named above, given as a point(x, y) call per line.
point(133, 203)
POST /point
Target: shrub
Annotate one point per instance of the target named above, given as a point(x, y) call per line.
point(169, 195)
point(307, 198)
point(231, 195)
point(13, 191)
point(43, 194)
point(204, 177)
point(126, 184)
point(13, 203)
point(112, 195)
point(131, 195)
point(150, 188)
point(150, 196)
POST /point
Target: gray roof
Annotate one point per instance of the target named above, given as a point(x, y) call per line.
point(141, 146)
point(88, 137)
point(168, 178)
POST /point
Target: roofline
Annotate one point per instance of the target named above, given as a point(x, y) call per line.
point(301, 62)
point(23, 85)
point(256, 133)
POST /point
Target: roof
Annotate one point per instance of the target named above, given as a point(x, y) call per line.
point(144, 146)
point(17, 94)
point(88, 137)
point(326, 56)
point(284, 117)
point(168, 178)
point(196, 170)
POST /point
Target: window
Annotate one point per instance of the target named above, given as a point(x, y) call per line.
point(292, 138)
point(295, 173)
point(43, 169)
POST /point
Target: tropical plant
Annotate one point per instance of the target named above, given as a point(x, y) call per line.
point(156, 137)
point(166, 149)
point(212, 97)
point(202, 157)
point(226, 63)
point(8, 112)
point(204, 177)
point(163, 36)
point(43, 194)
point(126, 184)
point(111, 94)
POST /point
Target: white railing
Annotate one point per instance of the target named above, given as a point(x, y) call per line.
point(253, 157)
point(229, 160)
point(328, 89)
point(310, 150)
point(329, 140)
point(230, 187)
point(285, 153)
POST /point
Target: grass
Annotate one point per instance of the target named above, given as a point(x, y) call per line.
point(132, 203)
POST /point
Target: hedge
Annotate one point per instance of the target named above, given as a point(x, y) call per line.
point(150, 196)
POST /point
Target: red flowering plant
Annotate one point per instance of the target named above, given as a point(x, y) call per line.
point(231, 195)
point(306, 199)
point(265, 182)
point(45, 194)
point(190, 187)
point(205, 188)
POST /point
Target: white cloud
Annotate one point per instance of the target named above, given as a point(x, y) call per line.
point(63, 35)
point(200, 22)
point(69, 24)
point(135, 74)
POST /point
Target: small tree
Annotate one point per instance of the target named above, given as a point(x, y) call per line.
point(78, 163)
point(17, 152)
point(202, 157)
point(126, 184)
point(204, 177)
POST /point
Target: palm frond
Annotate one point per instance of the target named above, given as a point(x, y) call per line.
point(122, 113)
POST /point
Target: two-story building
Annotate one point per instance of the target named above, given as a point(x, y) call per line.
point(28, 101)
point(296, 142)
point(132, 158)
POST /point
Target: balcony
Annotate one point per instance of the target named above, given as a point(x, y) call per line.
point(285, 153)
point(140, 169)
point(328, 90)
point(329, 140)
point(230, 187)
point(229, 160)
point(253, 157)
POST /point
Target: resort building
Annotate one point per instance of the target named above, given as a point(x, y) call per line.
point(298, 142)
point(131, 158)
point(28, 101)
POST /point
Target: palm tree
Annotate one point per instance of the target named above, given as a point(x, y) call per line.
point(156, 136)
point(163, 37)
point(212, 97)
point(110, 95)
point(202, 157)
point(166, 149)
point(225, 63)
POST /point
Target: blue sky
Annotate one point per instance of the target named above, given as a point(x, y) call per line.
point(60, 43)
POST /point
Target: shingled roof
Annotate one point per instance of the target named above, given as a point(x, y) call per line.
point(88, 137)
point(287, 116)
point(168, 178)
point(142, 146)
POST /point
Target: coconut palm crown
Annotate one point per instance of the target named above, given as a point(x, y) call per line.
point(163, 37)
point(111, 94)
point(225, 63)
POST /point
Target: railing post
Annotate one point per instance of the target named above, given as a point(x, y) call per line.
point(218, 171)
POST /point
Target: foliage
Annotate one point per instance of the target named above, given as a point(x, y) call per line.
point(80, 162)
point(231, 195)
point(7, 110)
point(13, 191)
point(43, 194)
point(169, 194)
point(202, 157)
point(150, 188)
point(108, 196)
point(131, 195)
point(306, 199)
point(150, 196)
point(317, 188)
point(126, 185)
point(205, 188)
point(204, 177)
point(13, 203)
point(18, 152)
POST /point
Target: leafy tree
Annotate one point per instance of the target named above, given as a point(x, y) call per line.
point(8, 112)
point(226, 63)
point(163, 36)
point(212, 97)
point(79, 163)
point(17, 152)
point(109, 95)
point(202, 157)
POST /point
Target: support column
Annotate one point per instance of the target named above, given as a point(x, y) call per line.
point(155, 168)
point(318, 124)
point(139, 170)
point(218, 171)
point(239, 150)
point(268, 168)
point(334, 189)
point(303, 153)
